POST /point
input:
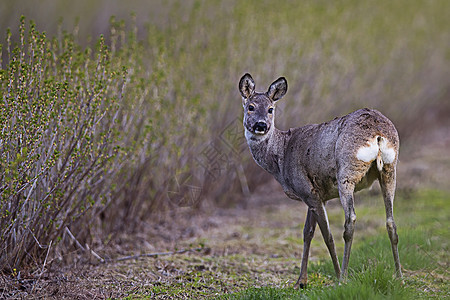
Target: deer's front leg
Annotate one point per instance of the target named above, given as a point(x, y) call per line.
point(322, 219)
point(308, 234)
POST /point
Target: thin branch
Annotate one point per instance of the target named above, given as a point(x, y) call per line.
point(156, 254)
point(74, 239)
point(85, 249)
point(95, 254)
point(45, 260)
point(39, 244)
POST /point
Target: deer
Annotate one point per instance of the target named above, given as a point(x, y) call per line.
point(318, 162)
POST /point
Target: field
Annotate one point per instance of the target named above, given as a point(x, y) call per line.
point(123, 168)
point(254, 253)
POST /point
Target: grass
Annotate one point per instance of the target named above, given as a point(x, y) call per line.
point(255, 254)
point(423, 248)
point(257, 257)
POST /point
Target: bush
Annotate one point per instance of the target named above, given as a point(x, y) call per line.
point(83, 132)
point(97, 139)
point(59, 140)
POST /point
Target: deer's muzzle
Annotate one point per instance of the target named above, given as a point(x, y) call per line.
point(260, 128)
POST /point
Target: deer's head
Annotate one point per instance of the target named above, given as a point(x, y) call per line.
point(259, 108)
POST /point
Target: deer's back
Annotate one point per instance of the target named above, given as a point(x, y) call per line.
point(317, 155)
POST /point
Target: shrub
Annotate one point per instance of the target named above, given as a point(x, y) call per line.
point(131, 126)
point(59, 140)
point(86, 133)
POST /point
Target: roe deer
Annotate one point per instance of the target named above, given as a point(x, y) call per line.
point(318, 162)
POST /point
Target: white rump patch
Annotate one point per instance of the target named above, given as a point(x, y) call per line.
point(387, 153)
point(368, 153)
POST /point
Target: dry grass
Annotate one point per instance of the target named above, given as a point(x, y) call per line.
point(240, 248)
point(182, 71)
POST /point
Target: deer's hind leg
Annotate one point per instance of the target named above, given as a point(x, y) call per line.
point(387, 179)
point(346, 196)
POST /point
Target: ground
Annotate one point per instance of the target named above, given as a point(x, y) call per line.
point(229, 250)
point(215, 251)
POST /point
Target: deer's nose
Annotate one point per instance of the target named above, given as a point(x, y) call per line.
point(260, 127)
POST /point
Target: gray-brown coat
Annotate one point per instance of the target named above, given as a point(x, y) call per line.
point(318, 162)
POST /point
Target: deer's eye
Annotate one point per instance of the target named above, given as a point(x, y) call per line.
point(270, 110)
point(251, 107)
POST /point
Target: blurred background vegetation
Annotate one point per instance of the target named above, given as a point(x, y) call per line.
point(123, 110)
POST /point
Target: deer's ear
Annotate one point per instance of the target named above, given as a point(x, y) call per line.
point(246, 86)
point(277, 89)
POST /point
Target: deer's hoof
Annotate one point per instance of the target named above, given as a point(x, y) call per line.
point(300, 285)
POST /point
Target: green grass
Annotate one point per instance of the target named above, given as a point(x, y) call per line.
point(250, 270)
point(423, 251)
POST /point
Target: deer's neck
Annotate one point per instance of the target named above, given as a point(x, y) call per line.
point(268, 150)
